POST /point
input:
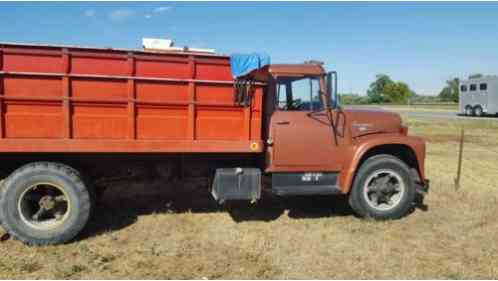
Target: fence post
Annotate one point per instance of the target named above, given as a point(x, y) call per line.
point(459, 168)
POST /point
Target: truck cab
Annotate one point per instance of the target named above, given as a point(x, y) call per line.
point(315, 147)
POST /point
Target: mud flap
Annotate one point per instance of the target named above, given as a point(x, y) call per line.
point(237, 184)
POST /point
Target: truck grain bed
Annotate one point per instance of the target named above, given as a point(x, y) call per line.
point(74, 99)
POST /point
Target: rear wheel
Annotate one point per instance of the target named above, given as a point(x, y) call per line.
point(383, 189)
point(44, 203)
point(478, 111)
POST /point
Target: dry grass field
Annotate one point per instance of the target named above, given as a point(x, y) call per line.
point(173, 230)
point(424, 107)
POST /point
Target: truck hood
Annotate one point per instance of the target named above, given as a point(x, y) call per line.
point(372, 121)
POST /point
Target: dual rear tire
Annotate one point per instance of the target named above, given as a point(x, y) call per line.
point(45, 203)
point(474, 111)
point(478, 111)
point(469, 111)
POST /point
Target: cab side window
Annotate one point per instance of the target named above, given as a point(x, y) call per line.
point(298, 94)
point(463, 88)
point(473, 87)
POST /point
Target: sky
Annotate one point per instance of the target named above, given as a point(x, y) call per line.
point(422, 44)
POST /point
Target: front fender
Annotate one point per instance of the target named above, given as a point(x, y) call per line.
point(364, 144)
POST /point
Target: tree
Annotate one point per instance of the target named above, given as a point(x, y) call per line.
point(424, 99)
point(397, 92)
point(376, 90)
point(451, 91)
point(348, 99)
point(384, 89)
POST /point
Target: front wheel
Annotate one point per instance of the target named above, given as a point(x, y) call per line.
point(383, 189)
point(44, 203)
point(469, 111)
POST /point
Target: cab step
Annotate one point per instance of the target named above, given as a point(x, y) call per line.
point(315, 183)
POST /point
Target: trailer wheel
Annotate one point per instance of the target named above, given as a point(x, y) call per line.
point(478, 111)
point(383, 189)
point(469, 111)
point(44, 203)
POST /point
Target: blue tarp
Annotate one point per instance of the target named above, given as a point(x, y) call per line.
point(242, 64)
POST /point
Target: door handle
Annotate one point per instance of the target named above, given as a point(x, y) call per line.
point(283, 123)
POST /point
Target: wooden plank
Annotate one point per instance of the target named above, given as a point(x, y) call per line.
point(21, 51)
point(114, 101)
point(247, 122)
point(66, 62)
point(191, 64)
point(66, 89)
point(248, 112)
point(191, 106)
point(50, 47)
point(96, 55)
point(191, 112)
point(162, 58)
point(2, 117)
point(117, 77)
point(178, 57)
point(132, 126)
point(126, 146)
point(213, 61)
point(66, 107)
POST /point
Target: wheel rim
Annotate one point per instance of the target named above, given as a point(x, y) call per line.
point(44, 206)
point(384, 190)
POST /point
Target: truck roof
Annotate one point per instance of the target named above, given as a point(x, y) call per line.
point(480, 79)
point(296, 69)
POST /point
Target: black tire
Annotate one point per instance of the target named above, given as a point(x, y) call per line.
point(358, 200)
point(469, 111)
point(478, 111)
point(99, 192)
point(60, 175)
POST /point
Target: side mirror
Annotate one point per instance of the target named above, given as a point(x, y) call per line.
point(332, 91)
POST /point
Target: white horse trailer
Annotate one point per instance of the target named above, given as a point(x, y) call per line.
point(479, 96)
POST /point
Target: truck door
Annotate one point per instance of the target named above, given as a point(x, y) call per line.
point(302, 136)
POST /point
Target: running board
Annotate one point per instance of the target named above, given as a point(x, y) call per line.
point(305, 190)
point(309, 183)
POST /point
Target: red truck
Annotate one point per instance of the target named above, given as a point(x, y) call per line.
point(71, 116)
